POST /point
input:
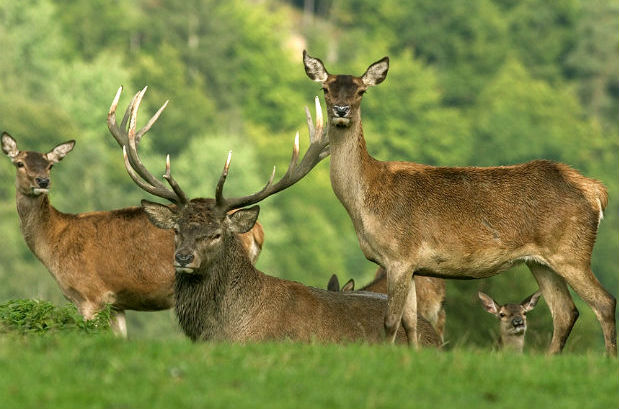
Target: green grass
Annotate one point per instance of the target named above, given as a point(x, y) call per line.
point(72, 370)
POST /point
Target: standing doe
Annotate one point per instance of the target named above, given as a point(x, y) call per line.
point(220, 295)
point(512, 319)
point(464, 222)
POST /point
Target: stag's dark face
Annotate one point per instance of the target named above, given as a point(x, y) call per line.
point(33, 168)
point(200, 230)
point(343, 93)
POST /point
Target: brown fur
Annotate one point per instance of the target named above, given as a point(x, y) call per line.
point(466, 222)
point(430, 296)
point(108, 257)
point(220, 295)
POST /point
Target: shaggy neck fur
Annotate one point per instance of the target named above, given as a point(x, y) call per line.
point(214, 301)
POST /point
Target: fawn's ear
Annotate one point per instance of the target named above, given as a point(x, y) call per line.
point(349, 286)
point(376, 73)
point(9, 146)
point(159, 215)
point(314, 68)
point(333, 284)
point(60, 151)
point(243, 220)
point(531, 301)
point(488, 303)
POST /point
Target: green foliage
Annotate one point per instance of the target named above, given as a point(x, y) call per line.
point(100, 371)
point(39, 317)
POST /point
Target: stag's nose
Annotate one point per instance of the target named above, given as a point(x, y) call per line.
point(42, 182)
point(341, 110)
point(183, 259)
point(517, 321)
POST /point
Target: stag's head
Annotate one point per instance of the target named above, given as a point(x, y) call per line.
point(512, 317)
point(200, 230)
point(33, 168)
point(343, 93)
point(203, 227)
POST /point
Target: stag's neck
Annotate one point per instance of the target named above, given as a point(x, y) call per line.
point(215, 302)
point(512, 342)
point(37, 217)
point(351, 164)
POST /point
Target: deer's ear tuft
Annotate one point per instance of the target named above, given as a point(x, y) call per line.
point(376, 73)
point(9, 146)
point(159, 215)
point(243, 220)
point(488, 303)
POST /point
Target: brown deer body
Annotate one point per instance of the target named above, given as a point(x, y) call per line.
point(430, 295)
point(464, 222)
point(106, 257)
point(220, 295)
point(512, 319)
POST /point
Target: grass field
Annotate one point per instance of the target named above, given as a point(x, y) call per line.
point(75, 370)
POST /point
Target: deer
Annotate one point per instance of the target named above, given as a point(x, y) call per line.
point(430, 295)
point(219, 293)
point(114, 257)
point(463, 222)
point(512, 319)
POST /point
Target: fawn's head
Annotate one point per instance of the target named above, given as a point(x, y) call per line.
point(33, 168)
point(512, 317)
point(343, 93)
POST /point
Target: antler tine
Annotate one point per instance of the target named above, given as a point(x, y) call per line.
point(129, 139)
point(317, 151)
point(172, 182)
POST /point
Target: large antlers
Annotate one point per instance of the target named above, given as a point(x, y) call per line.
point(129, 138)
point(318, 150)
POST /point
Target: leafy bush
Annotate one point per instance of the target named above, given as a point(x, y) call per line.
point(37, 317)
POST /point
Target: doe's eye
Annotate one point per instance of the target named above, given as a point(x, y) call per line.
point(20, 164)
point(361, 92)
point(501, 314)
point(50, 166)
point(325, 90)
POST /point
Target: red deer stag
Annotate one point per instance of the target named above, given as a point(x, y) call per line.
point(430, 295)
point(512, 319)
point(76, 248)
point(220, 295)
point(464, 222)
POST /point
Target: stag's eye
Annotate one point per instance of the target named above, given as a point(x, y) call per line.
point(20, 164)
point(215, 236)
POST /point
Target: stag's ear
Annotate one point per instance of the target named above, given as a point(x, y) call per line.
point(334, 283)
point(349, 286)
point(314, 68)
point(376, 73)
point(159, 215)
point(9, 146)
point(60, 151)
point(531, 301)
point(243, 220)
point(488, 303)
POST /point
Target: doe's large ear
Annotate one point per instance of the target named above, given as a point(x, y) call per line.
point(314, 68)
point(159, 215)
point(349, 286)
point(60, 151)
point(9, 146)
point(488, 303)
point(531, 301)
point(243, 220)
point(376, 73)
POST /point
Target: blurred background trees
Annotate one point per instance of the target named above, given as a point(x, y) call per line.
point(483, 82)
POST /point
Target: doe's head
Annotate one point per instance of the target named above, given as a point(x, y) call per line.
point(512, 317)
point(33, 168)
point(343, 93)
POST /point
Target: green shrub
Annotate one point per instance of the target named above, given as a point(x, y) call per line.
point(35, 316)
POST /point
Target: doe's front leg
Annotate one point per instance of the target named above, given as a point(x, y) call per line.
point(398, 287)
